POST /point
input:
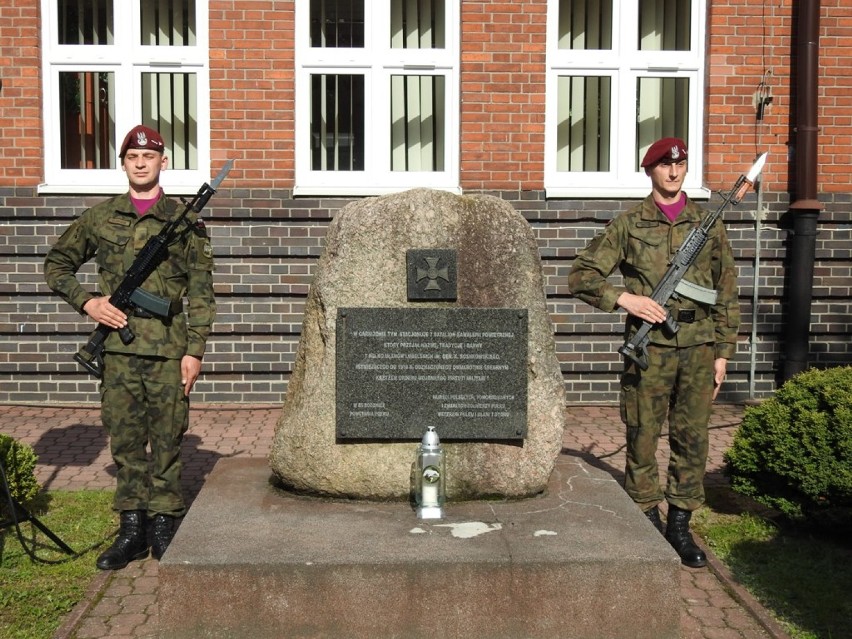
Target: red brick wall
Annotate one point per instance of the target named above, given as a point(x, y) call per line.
point(502, 90)
point(502, 84)
point(267, 243)
point(252, 89)
point(20, 96)
point(753, 42)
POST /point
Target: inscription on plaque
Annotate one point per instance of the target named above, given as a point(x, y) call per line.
point(462, 370)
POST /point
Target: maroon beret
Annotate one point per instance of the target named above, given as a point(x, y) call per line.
point(142, 137)
point(673, 149)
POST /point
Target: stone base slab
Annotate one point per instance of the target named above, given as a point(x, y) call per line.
point(578, 562)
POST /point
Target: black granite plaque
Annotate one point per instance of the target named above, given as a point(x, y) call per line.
point(462, 370)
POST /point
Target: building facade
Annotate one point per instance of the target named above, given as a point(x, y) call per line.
point(548, 104)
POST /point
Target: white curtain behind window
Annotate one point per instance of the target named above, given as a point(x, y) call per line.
point(169, 105)
point(417, 101)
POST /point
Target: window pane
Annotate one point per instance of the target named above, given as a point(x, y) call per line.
point(167, 23)
point(664, 25)
point(585, 25)
point(417, 123)
point(85, 21)
point(87, 120)
point(583, 123)
point(337, 122)
point(170, 105)
point(417, 24)
point(663, 111)
point(337, 23)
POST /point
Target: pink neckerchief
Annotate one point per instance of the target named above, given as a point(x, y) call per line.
point(671, 211)
point(143, 206)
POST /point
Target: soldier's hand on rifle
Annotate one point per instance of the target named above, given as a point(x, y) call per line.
point(100, 310)
point(642, 307)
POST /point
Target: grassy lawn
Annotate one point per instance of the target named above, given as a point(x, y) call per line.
point(803, 578)
point(36, 595)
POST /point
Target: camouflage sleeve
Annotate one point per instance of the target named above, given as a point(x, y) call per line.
point(587, 279)
point(75, 247)
point(199, 291)
point(726, 311)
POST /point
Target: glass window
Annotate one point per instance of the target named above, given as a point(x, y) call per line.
point(663, 111)
point(85, 22)
point(584, 25)
point(170, 105)
point(110, 65)
point(337, 122)
point(379, 110)
point(620, 75)
point(87, 120)
point(418, 25)
point(168, 23)
point(664, 25)
point(337, 24)
point(584, 127)
point(417, 123)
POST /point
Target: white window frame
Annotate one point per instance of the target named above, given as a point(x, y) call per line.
point(377, 61)
point(128, 60)
point(625, 64)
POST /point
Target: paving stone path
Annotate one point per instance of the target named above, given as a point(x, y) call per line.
point(73, 454)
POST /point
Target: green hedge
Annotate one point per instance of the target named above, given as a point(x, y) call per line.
point(794, 452)
point(19, 460)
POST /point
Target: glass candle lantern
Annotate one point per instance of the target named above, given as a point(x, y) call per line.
point(429, 486)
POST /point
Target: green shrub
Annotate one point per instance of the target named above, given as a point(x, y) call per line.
point(19, 460)
point(794, 452)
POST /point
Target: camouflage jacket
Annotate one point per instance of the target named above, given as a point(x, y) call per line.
point(640, 243)
point(113, 233)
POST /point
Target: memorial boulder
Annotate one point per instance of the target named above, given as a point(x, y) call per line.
point(426, 309)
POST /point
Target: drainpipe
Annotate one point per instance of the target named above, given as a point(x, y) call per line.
point(805, 209)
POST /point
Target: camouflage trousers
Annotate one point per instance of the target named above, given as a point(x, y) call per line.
point(678, 385)
point(142, 406)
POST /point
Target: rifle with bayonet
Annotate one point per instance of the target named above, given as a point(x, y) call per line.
point(129, 295)
point(672, 283)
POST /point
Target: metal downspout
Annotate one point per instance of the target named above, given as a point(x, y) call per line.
point(805, 209)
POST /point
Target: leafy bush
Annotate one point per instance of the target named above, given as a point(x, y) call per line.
point(19, 460)
point(794, 452)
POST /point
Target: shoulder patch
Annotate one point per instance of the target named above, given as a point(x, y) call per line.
point(207, 250)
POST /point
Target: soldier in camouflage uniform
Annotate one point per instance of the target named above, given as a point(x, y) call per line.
point(686, 369)
point(146, 384)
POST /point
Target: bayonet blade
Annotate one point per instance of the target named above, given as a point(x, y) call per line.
point(756, 168)
point(222, 174)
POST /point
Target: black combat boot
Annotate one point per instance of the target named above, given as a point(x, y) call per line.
point(131, 543)
point(653, 515)
point(162, 531)
point(678, 535)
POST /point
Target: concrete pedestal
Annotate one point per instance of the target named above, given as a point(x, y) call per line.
point(579, 562)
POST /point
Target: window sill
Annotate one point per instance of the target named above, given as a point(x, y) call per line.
point(615, 193)
point(365, 191)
